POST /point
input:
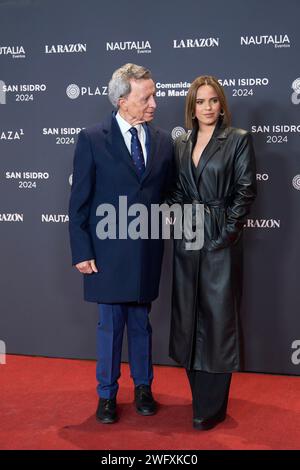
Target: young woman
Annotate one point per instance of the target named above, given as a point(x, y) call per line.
point(215, 167)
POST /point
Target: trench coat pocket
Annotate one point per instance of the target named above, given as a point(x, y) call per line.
point(225, 240)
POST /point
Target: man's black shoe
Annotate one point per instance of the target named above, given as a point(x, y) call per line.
point(107, 411)
point(144, 401)
point(204, 424)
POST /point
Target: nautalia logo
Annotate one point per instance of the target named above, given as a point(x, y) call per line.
point(277, 40)
point(16, 52)
point(141, 47)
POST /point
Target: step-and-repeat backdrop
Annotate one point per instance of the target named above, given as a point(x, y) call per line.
point(56, 58)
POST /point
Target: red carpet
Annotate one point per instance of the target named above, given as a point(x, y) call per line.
point(50, 404)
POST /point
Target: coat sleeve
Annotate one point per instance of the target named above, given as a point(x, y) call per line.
point(80, 200)
point(244, 192)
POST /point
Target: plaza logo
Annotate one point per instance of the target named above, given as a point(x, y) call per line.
point(141, 47)
point(296, 182)
point(16, 52)
point(65, 48)
point(177, 131)
point(263, 223)
point(277, 40)
point(11, 217)
point(74, 91)
point(195, 43)
point(11, 135)
point(296, 91)
point(56, 218)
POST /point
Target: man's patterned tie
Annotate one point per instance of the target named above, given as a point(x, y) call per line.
point(137, 151)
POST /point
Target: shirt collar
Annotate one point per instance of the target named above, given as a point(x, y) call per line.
point(125, 126)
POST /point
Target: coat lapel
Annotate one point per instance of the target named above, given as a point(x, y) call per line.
point(220, 134)
point(116, 143)
point(186, 165)
point(117, 146)
point(152, 144)
point(212, 147)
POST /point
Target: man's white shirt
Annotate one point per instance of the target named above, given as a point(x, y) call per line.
point(124, 127)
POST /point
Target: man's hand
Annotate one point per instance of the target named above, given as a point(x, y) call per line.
point(87, 267)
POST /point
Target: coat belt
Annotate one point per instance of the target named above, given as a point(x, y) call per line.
point(221, 203)
point(213, 203)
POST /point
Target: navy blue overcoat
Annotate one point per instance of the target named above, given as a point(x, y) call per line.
point(103, 170)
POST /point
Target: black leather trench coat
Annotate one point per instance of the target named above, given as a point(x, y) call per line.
point(207, 283)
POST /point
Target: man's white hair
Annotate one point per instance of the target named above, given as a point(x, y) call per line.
point(120, 86)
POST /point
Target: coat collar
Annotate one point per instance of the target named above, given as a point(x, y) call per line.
point(219, 136)
point(221, 132)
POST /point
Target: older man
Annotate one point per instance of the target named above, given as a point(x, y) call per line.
point(124, 156)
